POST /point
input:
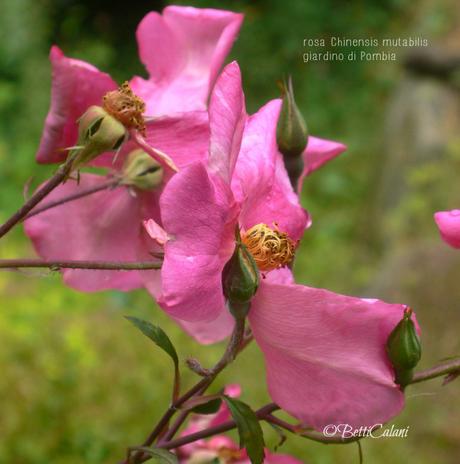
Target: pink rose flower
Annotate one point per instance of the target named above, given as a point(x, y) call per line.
point(448, 223)
point(324, 352)
point(183, 50)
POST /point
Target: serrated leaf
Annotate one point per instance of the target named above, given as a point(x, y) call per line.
point(159, 455)
point(249, 429)
point(159, 337)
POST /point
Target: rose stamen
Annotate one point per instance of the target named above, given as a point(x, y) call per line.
point(270, 248)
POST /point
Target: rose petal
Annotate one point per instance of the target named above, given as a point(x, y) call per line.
point(227, 117)
point(261, 183)
point(200, 216)
point(449, 226)
point(318, 152)
point(183, 51)
point(325, 354)
point(256, 162)
point(76, 85)
point(104, 226)
point(207, 333)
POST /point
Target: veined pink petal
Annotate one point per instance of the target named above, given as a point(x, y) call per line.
point(227, 117)
point(449, 226)
point(325, 354)
point(261, 183)
point(184, 137)
point(200, 216)
point(318, 152)
point(255, 166)
point(104, 226)
point(280, 207)
point(76, 85)
point(183, 50)
point(207, 333)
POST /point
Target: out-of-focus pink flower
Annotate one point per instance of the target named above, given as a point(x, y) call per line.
point(182, 49)
point(220, 446)
point(320, 347)
point(448, 223)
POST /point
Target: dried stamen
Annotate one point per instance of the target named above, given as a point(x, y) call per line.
point(270, 248)
point(125, 106)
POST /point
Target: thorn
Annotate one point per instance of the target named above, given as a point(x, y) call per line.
point(25, 190)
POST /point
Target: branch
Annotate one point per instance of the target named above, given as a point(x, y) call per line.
point(310, 434)
point(247, 338)
point(60, 175)
point(94, 265)
point(234, 346)
point(261, 414)
point(449, 367)
point(112, 183)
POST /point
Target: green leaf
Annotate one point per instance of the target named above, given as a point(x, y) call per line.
point(159, 455)
point(157, 335)
point(211, 407)
point(208, 404)
point(249, 429)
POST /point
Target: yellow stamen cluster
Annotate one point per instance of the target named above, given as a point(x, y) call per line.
point(270, 248)
point(125, 106)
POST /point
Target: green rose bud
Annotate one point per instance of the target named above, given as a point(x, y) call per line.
point(404, 349)
point(240, 280)
point(292, 132)
point(98, 132)
point(140, 170)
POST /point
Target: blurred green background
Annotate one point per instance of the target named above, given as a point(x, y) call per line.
point(78, 383)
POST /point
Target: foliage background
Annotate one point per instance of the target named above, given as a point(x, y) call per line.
point(78, 384)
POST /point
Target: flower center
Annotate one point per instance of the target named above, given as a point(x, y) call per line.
point(270, 248)
point(125, 106)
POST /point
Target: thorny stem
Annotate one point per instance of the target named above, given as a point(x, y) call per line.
point(231, 351)
point(60, 175)
point(94, 265)
point(112, 183)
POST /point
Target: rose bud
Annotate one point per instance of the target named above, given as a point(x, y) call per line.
point(291, 133)
point(98, 132)
point(141, 171)
point(404, 349)
point(240, 280)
